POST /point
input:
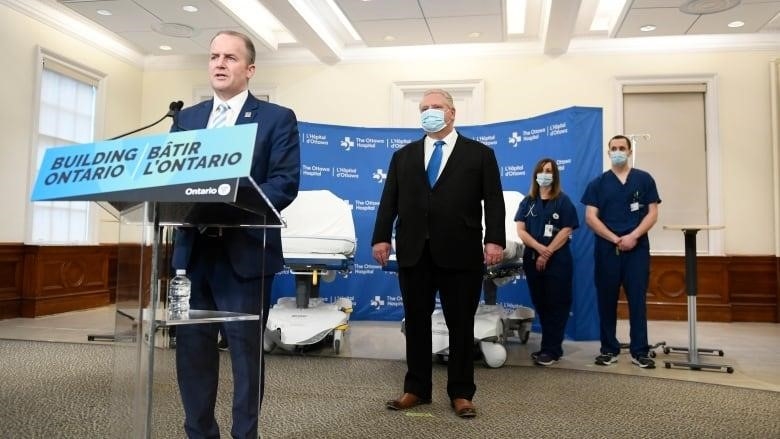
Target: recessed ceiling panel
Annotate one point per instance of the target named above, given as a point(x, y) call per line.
point(126, 15)
point(754, 15)
point(455, 30)
point(358, 10)
point(460, 8)
point(644, 4)
point(668, 21)
point(207, 16)
point(403, 32)
point(151, 43)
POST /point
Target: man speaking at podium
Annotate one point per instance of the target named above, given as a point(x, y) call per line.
point(229, 268)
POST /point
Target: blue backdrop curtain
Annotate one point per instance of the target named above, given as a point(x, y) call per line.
point(352, 163)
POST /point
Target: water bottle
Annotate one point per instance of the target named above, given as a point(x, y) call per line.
point(179, 289)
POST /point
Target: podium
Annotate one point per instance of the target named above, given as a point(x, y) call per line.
point(691, 286)
point(150, 201)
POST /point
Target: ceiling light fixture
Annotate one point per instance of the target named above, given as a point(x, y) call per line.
point(736, 24)
point(104, 12)
point(475, 34)
point(166, 48)
point(189, 8)
point(606, 14)
point(647, 28)
point(702, 7)
point(389, 38)
point(176, 30)
point(515, 16)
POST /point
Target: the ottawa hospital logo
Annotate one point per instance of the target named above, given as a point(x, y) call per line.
point(377, 302)
point(380, 176)
point(515, 139)
point(347, 143)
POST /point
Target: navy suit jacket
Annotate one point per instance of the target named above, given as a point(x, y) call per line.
point(276, 165)
point(449, 214)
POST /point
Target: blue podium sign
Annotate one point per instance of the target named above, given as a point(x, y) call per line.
point(196, 165)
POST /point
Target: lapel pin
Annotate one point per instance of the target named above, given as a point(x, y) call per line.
point(248, 114)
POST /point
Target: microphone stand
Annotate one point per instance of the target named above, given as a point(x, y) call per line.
point(173, 110)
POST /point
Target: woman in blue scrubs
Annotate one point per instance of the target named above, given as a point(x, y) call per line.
point(545, 221)
point(621, 207)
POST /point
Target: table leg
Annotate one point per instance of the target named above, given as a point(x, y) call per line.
point(691, 285)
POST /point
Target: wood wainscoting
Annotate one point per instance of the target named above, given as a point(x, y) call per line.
point(43, 280)
point(730, 289)
point(11, 280)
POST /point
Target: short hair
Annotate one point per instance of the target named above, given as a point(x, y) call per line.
point(555, 190)
point(250, 46)
point(439, 91)
point(618, 137)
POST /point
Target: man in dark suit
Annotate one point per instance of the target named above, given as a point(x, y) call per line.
point(230, 268)
point(437, 215)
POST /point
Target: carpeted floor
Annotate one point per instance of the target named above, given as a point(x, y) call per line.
point(63, 390)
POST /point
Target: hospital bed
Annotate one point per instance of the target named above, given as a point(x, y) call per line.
point(493, 323)
point(318, 244)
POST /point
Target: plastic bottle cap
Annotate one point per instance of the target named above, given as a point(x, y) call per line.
point(180, 271)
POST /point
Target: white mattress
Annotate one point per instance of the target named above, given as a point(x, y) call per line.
point(514, 245)
point(318, 222)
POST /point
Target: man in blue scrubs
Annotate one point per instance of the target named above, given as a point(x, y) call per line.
point(621, 207)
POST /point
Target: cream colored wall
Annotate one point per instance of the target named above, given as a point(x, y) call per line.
point(19, 37)
point(359, 94)
point(523, 86)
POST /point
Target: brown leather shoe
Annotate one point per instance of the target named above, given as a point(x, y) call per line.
point(464, 408)
point(406, 401)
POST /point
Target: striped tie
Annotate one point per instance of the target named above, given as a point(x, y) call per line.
point(220, 118)
point(434, 164)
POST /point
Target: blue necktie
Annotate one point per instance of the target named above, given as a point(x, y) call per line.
point(220, 118)
point(435, 162)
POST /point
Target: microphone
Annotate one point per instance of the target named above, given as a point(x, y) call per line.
point(173, 110)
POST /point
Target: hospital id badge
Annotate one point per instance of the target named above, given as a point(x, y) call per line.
point(548, 229)
point(634, 206)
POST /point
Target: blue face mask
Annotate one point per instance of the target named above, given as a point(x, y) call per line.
point(618, 158)
point(544, 179)
point(432, 120)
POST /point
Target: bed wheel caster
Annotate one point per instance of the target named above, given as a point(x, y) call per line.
point(268, 344)
point(338, 335)
point(494, 354)
point(524, 337)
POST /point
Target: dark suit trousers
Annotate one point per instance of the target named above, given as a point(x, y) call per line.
point(459, 292)
point(215, 286)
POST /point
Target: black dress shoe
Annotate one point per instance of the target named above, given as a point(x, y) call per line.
point(464, 408)
point(406, 401)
